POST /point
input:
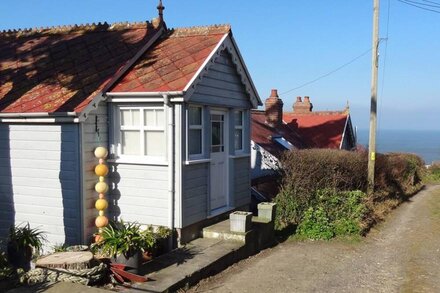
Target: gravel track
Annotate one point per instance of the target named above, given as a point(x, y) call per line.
point(400, 255)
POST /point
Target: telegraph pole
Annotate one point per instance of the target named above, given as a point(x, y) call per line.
point(373, 109)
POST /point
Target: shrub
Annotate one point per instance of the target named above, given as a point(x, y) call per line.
point(432, 174)
point(330, 214)
point(324, 190)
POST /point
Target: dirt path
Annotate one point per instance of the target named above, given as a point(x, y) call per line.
point(401, 255)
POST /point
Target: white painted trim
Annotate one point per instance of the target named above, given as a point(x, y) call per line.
point(192, 82)
point(238, 156)
point(138, 161)
point(226, 43)
point(343, 133)
point(142, 100)
point(40, 120)
point(145, 94)
point(38, 114)
point(135, 100)
point(259, 102)
point(194, 162)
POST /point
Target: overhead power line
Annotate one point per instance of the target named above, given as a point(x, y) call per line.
point(329, 73)
point(412, 3)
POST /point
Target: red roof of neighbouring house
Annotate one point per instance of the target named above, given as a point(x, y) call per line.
point(62, 69)
point(319, 129)
point(263, 134)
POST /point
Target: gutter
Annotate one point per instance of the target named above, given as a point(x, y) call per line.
point(171, 165)
point(38, 114)
point(146, 94)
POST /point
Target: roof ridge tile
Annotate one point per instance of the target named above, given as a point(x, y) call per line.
point(80, 28)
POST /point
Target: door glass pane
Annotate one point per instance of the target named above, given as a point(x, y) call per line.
point(149, 118)
point(238, 139)
point(130, 142)
point(195, 116)
point(155, 143)
point(195, 141)
point(216, 133)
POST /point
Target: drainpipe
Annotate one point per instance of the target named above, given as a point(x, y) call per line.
point(171, 165)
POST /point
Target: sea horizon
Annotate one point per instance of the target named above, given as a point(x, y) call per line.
point(425, 143)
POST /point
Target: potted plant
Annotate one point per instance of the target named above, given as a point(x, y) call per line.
point(125, 243)
point(23, 241)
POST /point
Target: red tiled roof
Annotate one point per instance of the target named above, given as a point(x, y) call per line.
point(262, 134)
point(63, 69)
point(318, 129)
point(173, 61)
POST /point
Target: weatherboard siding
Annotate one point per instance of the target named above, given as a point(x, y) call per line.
point(94, 133)
point(242, 190)
point(39, 180)
point(195, 190)
point(221, 85)
point(139, 193)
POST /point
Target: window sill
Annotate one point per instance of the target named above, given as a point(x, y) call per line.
point(138, 161)
point(194, 162)
point(239, 155)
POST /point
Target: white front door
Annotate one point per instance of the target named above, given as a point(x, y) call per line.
point(219, 188)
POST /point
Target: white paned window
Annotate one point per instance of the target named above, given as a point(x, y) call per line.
point(238, 134)
point(141, 132)
point(195, 131)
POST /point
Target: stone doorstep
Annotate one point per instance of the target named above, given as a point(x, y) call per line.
point(187, 265)
point(221, 230)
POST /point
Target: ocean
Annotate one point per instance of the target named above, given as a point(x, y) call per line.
point(425, 143)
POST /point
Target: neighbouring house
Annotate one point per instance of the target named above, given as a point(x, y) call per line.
point(172, 105)
point(274, 131)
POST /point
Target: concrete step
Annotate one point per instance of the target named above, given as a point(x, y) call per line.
point(222, 231)
point(187, 265)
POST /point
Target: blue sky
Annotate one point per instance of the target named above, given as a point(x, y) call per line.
point(288, 43)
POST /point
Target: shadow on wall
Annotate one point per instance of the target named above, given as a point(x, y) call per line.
point(69, 181)
point(7, 208)
point(114, 195)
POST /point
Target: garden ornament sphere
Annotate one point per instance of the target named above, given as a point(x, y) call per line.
point(101, 152)
point(101, 170)
point(101, 221)
point(101, 187)
point(101, 204)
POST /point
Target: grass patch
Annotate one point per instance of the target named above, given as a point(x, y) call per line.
point(432, 174)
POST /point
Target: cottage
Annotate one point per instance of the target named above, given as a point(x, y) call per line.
point(171, 105)
point(274, 131)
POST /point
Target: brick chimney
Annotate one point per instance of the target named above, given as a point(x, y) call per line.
point(301, 107)
point(274, 109)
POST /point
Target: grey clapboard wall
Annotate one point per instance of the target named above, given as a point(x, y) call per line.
point(94, 133)
point(221, 87)
point(39, 180)
point(140, 193)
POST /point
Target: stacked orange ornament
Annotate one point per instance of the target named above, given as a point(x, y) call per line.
point(101, 170)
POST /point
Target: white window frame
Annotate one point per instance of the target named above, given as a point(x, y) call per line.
point(200, 127)
point(142, 128)
point(241, 128)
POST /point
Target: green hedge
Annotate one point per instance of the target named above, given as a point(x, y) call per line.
point(323, 191)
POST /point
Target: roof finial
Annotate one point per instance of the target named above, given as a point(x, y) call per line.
point(160, 8)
